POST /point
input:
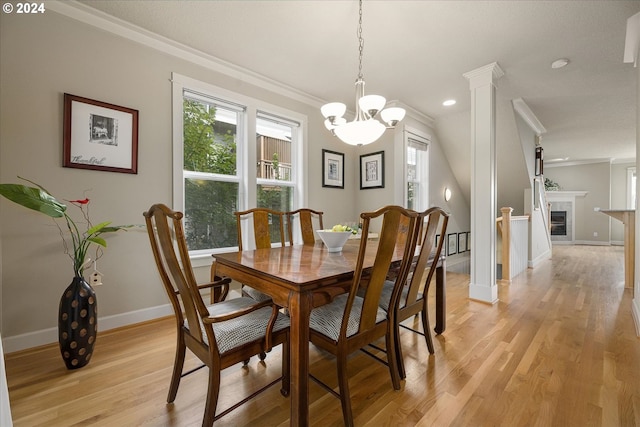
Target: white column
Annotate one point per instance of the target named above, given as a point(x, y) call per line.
point(483, 286)
point(631, 55)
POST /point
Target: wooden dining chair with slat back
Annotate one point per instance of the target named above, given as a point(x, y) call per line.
point(306, 218)
point(268, 228)
point(352, 321)
point(411, 299)
point(220, 335)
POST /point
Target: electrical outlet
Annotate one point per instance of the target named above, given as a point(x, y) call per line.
point(595, 234)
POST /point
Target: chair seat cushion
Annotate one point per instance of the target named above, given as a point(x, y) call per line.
point(387, 291)
point(255, 294)
point(236, 332)
point(327, 319)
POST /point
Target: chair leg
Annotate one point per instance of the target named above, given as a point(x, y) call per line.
point(393, 348)
point(262, 355)
point(286, 372)
point(398, 349)
point(178, 364)
point(427, 329)
point(345, 397)
point(212, 396)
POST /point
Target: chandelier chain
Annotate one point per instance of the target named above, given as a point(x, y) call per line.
point(360, 42)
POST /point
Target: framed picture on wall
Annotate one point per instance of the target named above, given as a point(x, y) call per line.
point(332, 169)
point(452, 243)
point(468, 240)
point(372, 170)
point(99, 136)
point(462, 242)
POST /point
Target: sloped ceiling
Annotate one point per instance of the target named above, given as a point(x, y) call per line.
point(417, 52)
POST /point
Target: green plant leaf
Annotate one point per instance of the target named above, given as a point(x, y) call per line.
point(98, 228)
point(33, 198)
point(98, 240)
point(117, 228)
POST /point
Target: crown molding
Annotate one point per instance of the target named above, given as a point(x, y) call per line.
point(98, 19)
point(527, 115)
point(576, 163)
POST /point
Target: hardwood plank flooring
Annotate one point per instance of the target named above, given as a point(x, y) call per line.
point(558, 349)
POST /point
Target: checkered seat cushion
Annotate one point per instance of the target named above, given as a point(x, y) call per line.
point(387, 291)
point(327, 319)
point(244, 329)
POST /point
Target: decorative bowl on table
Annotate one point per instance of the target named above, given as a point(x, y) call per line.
point(334, 240)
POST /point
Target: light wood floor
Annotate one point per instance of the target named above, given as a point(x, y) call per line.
point(559, 349)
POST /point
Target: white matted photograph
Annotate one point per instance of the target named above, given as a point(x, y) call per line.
point(99, 136)
point(452, 244)
point(372, 170)
point(332, 169)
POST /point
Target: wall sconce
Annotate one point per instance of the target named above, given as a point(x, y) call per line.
point(447, 194)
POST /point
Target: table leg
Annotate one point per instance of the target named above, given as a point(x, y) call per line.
point(441, 298)
point(299, 309)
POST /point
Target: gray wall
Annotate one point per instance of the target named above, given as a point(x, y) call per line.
point(44, 56)
point(596, 179)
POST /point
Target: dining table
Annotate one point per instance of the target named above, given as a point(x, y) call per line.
point(299, 278)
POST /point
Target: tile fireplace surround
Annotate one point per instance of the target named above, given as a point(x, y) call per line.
point(565, 201)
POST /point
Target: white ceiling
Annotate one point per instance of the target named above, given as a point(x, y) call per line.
point(417, 52)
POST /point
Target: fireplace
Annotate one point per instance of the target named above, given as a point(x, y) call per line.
point(558, 223)
point(563, 201)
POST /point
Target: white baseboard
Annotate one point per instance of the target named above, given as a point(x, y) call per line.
point(50, 335)
point(542, 257)
point(483, 293)
point(591, 243)
point(617, 243)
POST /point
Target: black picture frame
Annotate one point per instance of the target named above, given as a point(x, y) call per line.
point(332, 169)
point(462, 242)
point(452, 244)
point(99, 136)
point(372, 170)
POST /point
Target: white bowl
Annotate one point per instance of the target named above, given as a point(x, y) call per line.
point(334, 240)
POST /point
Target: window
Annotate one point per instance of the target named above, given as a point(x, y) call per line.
point(213, 148)
point(275, 138)
point(417, 173)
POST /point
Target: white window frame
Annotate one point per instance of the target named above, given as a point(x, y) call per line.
point(246, 154)
point(421, 138)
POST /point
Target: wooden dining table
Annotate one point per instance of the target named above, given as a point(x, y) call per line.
point(301, 277)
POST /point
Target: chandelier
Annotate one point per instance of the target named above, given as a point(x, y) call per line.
point(365, 128)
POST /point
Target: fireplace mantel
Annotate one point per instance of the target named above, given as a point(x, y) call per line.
point(563, 195)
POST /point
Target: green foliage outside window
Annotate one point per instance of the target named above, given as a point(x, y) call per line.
point(210, 147)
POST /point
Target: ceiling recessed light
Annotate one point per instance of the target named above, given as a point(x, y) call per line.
point(559, 63)
point(449, 102)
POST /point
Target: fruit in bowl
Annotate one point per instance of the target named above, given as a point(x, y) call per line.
point(340, 227)
point(334, 240)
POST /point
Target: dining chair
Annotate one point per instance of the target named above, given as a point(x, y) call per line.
point(268, 228)
point(220, 335)
point(306, 218)
point(413, 296)
point(351, 321)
